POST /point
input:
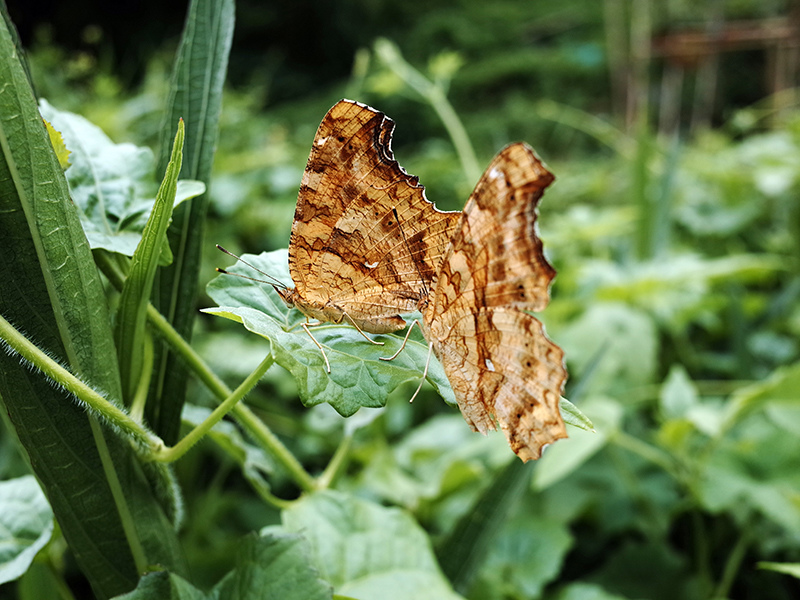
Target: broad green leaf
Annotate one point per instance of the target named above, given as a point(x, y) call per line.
point(274, 565)
point(112, 184)
point(132, 312)
point(26, 524)
point(463, 552)
point(528, 553)
point(195, 96)
point(52, 291)
point(358, 377)
point(368, 551)
point(736, 484)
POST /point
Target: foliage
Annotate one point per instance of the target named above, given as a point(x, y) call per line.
point(676, 303)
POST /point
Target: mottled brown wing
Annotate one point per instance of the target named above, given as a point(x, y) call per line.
point(502, 367)
point(346, 245)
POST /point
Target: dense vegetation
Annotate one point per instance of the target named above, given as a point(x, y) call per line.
point(676, 302)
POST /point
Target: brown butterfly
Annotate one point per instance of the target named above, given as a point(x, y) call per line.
point(502, 367)
point(349, 258)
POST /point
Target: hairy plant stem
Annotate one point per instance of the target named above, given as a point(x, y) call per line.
point(243, 415)
point(100, 406)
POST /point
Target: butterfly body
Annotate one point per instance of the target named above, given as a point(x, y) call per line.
point(325, 311)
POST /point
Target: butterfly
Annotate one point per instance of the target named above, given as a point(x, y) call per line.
point(350, 259)
point(502, 368)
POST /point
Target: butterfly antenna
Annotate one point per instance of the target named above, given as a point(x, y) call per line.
point(240, 259)
point(408, 246)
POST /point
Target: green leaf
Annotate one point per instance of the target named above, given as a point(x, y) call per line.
point(357, 378)
point(274, 565)
point(527, 555)
point(792, 569)
point(195, 96)
point(51, 290)
point(162, 585)
point(26, 524)
point(132, 313)
point(112, 184)
point(779, 388)
point(565, 456)
point(572, 415)
point(463, 552)
point(728, 484)
point(630, 339)
point(678, 394)
point(368, 551)
point(586, 591)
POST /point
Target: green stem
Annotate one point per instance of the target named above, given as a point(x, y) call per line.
point(257, 428)
point(140, 397)
point(646, 451)
point(99, 405)
point(436, 97)
point(732, 565)
point(179, 449)
point(335, 465)
point(267, 496)
point(273, 445)
point(701, 551)
point(243, 415)
point(63, 590)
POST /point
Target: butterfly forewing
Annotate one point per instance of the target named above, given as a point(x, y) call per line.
point(364, 237)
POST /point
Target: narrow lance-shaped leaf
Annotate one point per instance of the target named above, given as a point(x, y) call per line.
point(132, 313)
point(196, 96)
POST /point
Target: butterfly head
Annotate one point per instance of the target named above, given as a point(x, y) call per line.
point(288, 295)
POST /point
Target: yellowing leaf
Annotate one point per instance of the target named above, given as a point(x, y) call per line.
point(58, 145)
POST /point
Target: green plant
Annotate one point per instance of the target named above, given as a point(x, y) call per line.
point(676, 302)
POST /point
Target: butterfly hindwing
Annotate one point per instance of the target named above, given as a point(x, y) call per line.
point(503, 369)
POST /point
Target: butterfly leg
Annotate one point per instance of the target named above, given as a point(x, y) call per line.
point(405, 339)
point(366, 337)
point(424, 373)
point(313, 339)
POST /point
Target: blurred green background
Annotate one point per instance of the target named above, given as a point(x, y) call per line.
point(673, 130)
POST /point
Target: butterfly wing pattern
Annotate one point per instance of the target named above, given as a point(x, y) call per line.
point(502, 367)
point(348, 256)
